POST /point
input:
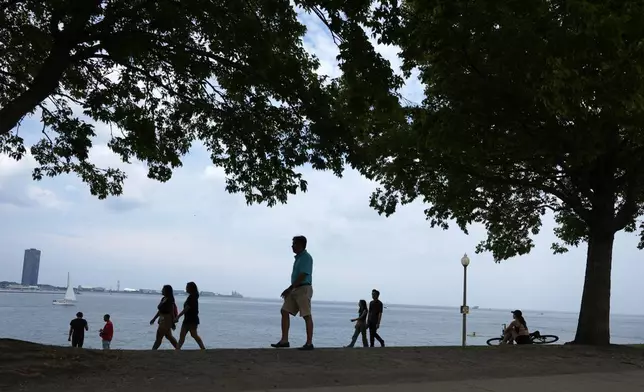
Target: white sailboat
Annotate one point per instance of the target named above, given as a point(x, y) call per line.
point(70, 296)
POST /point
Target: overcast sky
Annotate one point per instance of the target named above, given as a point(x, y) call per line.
point(191, 229)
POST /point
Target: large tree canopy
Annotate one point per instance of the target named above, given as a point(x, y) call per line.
point(530, 107)
point(165, 73)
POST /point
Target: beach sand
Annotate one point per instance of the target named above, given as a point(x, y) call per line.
point(32, 367)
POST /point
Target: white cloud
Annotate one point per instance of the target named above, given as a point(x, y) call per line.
point(9, 167)
point(213, 173)
point(136, 186)
point(44, 197)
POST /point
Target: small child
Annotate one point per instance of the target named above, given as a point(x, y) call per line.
point(107, 332)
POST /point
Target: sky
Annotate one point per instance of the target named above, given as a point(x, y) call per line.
point(191, 229)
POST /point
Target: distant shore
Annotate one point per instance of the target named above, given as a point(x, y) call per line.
point(32, 367)
point(14, 288)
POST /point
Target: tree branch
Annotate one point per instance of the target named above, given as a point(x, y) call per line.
point(154, 79)
point(77, 102)
point(573, 201)
point(86, 52)
point(44, 84)
point(51, 72)
point(337, 39)
point(628, 211)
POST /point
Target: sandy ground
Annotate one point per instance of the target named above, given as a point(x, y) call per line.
point(31, 367)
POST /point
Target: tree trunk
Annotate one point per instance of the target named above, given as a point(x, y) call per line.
point(593, 327)
point(43, 85)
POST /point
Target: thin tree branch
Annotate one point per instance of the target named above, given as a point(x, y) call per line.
point(76, 101)
point(154, 79)
point(573, 201)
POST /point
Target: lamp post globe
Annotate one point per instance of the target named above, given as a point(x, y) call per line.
point(465, 261)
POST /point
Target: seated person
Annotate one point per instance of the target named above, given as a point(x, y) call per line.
point(517, 330)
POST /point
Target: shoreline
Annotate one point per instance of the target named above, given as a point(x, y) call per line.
point(28, 366)
point(347, 302)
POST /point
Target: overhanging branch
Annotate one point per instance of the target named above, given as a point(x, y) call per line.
point(573, 201)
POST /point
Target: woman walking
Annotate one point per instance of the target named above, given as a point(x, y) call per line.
point(190, 315)
point(165, 314)
point(361, 324)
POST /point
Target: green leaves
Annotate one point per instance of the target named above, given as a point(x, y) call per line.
point(12, 146)
point(233, 75)
point(529, 107)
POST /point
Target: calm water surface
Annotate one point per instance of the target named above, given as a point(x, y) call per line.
point(254, 323)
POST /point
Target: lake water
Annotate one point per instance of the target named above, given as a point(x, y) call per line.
point(255, 323)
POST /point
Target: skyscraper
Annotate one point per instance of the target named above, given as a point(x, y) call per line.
point(30, 267)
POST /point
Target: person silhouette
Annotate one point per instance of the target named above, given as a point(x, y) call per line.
point(374, 318)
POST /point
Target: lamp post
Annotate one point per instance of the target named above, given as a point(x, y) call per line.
point(465, 261)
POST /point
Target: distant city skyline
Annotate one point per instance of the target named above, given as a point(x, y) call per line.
point(30, 267)
point(31, 270)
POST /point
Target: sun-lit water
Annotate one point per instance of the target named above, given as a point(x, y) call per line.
point(249, 323)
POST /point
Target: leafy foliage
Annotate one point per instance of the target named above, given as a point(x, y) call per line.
point(530, 107)
point(165, 73)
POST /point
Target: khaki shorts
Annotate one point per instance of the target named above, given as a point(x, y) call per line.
point(299, 301)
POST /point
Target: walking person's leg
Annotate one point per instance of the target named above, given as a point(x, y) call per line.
point(171, 339)
point(308, 321)
point(356, 332)
point(159, 338)
point(378, 338)
point(303, 297)
point(363, 331)
point(196, 337)
point(289, 308)
point(182, 336)
point(286, 325)
point(372, 334)
point(106, 344)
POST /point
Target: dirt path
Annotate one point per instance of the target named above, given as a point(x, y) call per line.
point(31, 367)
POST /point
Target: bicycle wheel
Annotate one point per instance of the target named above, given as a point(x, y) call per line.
point(545, 339)
point(494, 341)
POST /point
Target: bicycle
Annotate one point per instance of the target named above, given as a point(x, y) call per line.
point(535, 338)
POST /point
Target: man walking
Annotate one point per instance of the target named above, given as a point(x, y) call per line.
point(107, 332)
point(297, 297)
point(375, 315)
point(77, 328)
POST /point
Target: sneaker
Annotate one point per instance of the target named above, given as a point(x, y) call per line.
point(382, 344)
point(281, 345)
point(306, 347)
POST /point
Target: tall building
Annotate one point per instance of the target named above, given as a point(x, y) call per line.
point(30, 267)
